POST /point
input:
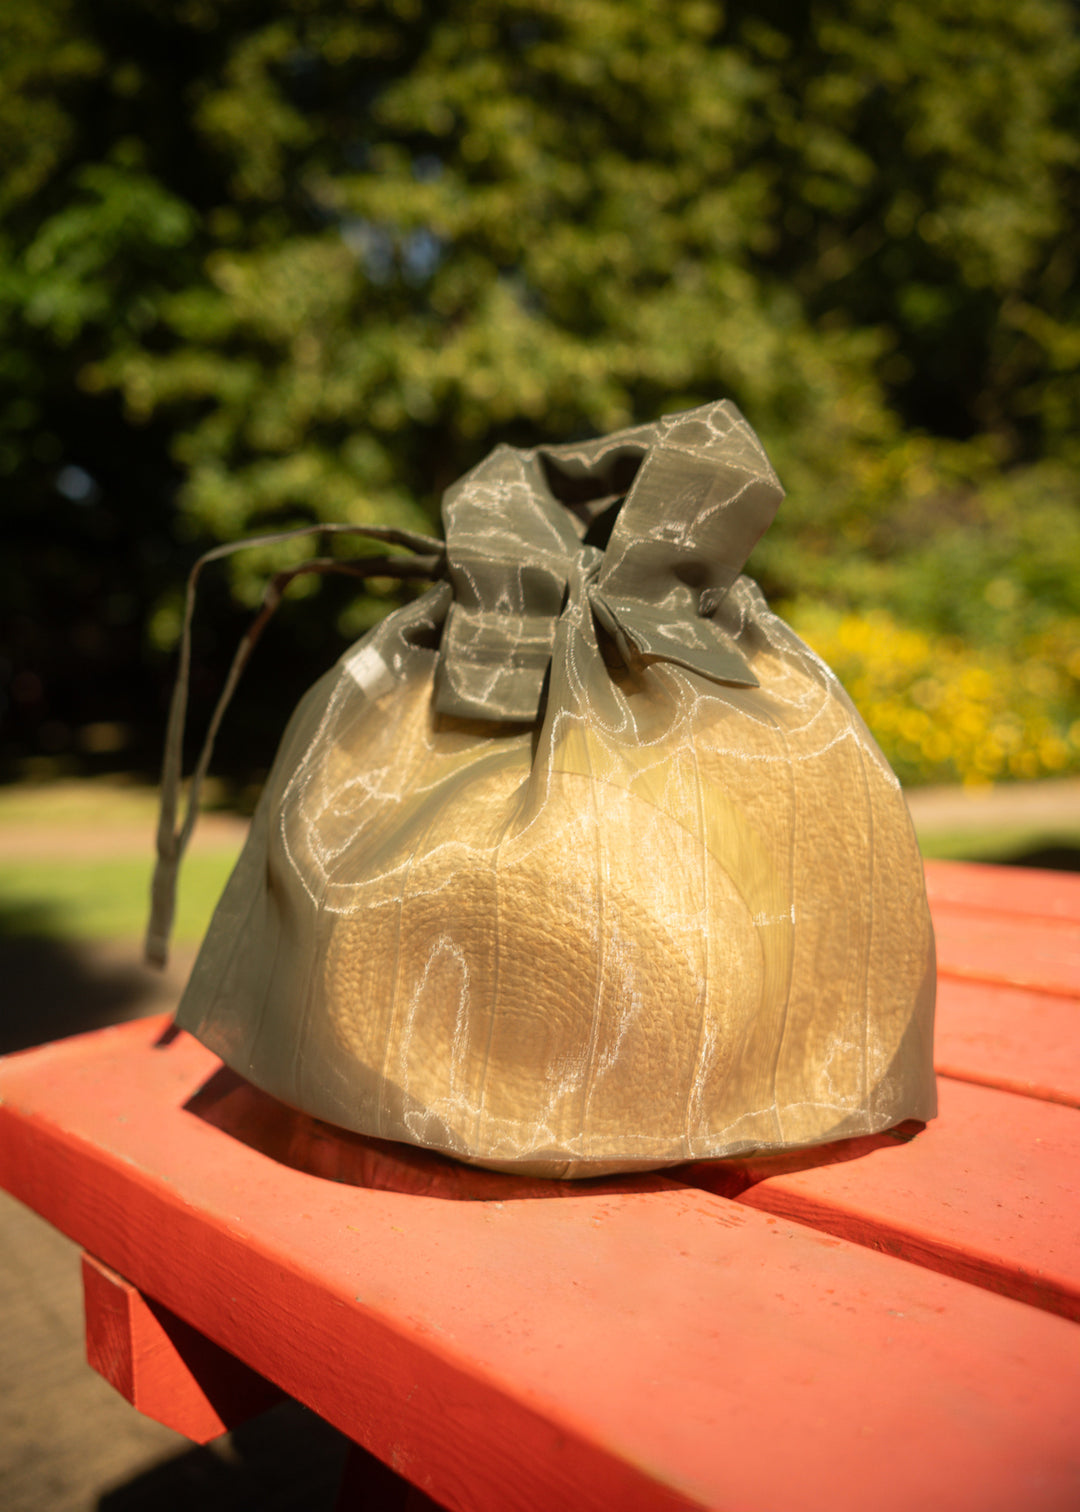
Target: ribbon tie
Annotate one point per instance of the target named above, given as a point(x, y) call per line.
point(671, 512)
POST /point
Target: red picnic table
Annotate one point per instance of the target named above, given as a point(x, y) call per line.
point(887, 1322)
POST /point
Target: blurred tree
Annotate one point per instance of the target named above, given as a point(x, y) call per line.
point(261, 265)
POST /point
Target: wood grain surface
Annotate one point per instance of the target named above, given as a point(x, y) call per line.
point(1009, 1037)
point(632, 1346)
point(984, 1192)
point(1016, 891)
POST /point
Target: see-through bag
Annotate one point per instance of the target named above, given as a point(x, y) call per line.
point(582, 861)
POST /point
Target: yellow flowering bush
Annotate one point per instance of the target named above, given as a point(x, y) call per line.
point(942, 710)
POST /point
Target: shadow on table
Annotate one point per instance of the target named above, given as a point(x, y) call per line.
point(246, 1113)
point(287, 1460)
point(51, 987)
point(1046, 857)
point(731, 1178)
point(251, 1116)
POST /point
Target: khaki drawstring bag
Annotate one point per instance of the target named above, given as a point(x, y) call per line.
point(581, 862)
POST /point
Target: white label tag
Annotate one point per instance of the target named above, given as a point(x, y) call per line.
point(370, 673)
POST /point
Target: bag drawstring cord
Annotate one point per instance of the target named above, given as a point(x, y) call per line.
point(428, 560)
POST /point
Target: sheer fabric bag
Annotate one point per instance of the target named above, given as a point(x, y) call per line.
point(582, 862)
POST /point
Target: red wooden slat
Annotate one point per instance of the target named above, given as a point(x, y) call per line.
point(639, 1344)
point(1009, 1037)
point(989, 1191)
point(987, 947)
point(1016, 890)
point(163, 1366)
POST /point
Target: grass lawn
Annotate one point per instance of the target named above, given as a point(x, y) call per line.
point(1002, 845)
point(105, 900)
point(76, 860)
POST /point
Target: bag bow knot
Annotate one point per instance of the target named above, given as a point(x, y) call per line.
point(651, 525)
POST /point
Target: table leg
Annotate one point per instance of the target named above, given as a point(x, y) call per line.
point(368, 1485)
point(164, 1366)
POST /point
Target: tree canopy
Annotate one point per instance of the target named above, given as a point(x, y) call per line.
point(262, 265)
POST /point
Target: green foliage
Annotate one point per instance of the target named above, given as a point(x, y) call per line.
point(261, 265)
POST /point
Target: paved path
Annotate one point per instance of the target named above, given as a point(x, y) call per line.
point(31, 842)
point(1051, 805)
point(1054, 804)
